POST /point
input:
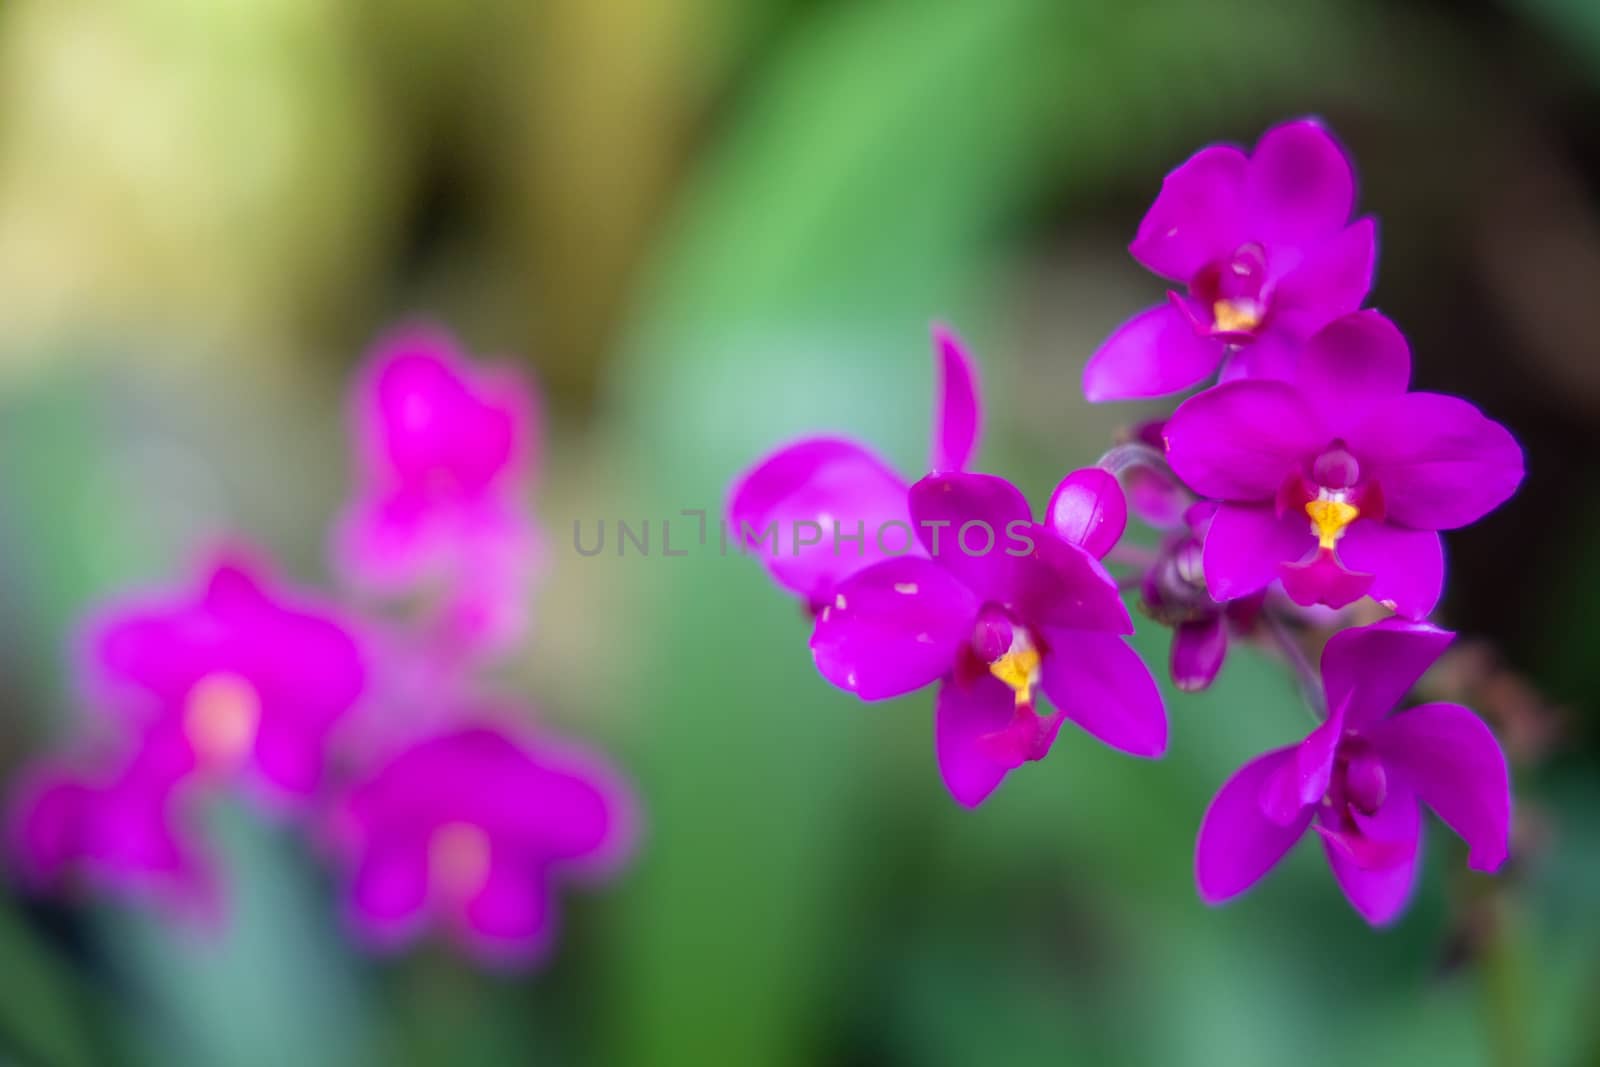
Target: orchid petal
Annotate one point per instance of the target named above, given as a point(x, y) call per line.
point(1154, 353)
point(1245, 545)
point(511, 920)
point(1407, 566)
point(1380, 893)
point(1197, 217)
point(959, 414)
point(1369, 669)
point(1240, 441)
point(802, 506)
point(1351, 365)
point(1058, 584)
point(1102, 684)
point(1300, 186)
point(1452, 760)
point(1237, 843)
point(1442, 464)
point(1332, 280)
point(965, 523)
point(965, 715)
point(893, 628)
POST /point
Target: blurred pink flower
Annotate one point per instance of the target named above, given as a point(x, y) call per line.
point(471, 829)
point(232, 679)
point(444, 452)
point(112, 826)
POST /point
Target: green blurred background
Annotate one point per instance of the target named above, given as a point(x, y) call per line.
point(709, 225)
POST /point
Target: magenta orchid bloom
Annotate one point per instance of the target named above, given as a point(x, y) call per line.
point(1265, 245)
point(111, 826)
point(999, 609)
point(821, 487)
point(471, 828)
point(1339, 481)
point(231, 679)
point(444, 452)
point(1358, 778)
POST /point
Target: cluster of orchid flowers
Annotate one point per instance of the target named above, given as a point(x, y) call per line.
point(363, 722)
point(1307, 485)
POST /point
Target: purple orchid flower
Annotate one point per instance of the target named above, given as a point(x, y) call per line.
point(444, 453)
point(837, 489)
point(1339, 482)
point(112, 826)
point(471, 828)
point(1357, 780)
point(1003, 608)
point(232, 679)
point(1265, 245)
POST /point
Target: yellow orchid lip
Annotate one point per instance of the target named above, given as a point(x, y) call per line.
point(1019, 668)
point(1236, 316)
point(1330, 517)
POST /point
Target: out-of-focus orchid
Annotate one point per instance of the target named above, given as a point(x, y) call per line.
point(444, 456)
point(471, 829)
point(113, 826)
point(233, 679)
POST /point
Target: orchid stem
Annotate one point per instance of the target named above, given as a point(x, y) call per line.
point(1310, 681)
point(1503, 986)
point(1131, 454)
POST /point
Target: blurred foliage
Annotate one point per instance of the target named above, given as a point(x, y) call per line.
point(714, 225)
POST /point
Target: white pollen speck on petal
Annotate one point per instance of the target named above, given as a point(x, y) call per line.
point(838, 602)
point(850, 679)
point(906, 588)
point(925, 639)
point(826, 612)
point(1172, 232)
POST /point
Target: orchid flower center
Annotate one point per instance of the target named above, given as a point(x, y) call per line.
point(221, 716)
point(1366, 783)
point(1358, 786)
point(458, 860)
point(1236, 315)
point(1019, 668)
point(1332, 510)
point(1010, 653)
point(1234, 292)
point(1357, 789)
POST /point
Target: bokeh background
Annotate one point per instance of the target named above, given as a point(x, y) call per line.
point(708, 225)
